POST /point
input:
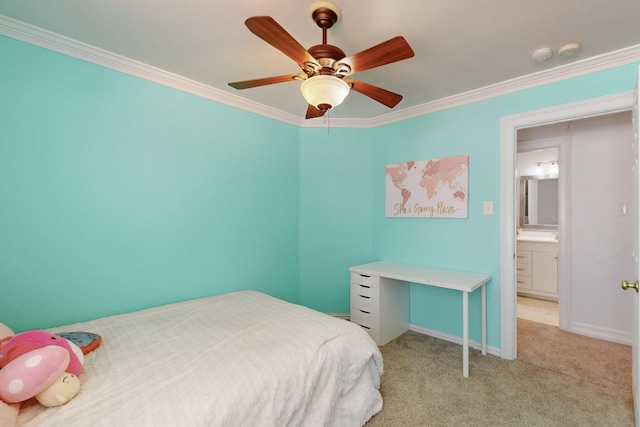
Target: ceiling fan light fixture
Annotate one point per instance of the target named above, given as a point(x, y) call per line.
point(324, 92)
point(324, 66)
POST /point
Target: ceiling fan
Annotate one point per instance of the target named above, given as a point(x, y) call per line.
point(325, 68)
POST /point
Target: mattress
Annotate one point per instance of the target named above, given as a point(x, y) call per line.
point(237, 359)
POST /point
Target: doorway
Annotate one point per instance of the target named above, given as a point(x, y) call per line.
point(542, 175)
point(597, 228)
point(509, 129)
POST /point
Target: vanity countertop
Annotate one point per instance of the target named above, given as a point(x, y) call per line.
point(537, 236)
point(537, 239)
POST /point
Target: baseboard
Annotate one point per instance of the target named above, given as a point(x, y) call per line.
point(601, 333)
point(454, 339)
point(436, 334)
point(343, 316)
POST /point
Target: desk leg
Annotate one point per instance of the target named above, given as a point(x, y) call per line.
point(483, 295)
point(465, 334)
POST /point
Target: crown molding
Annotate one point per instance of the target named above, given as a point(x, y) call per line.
point(594, 64)
point(55, 42)
point(67, 46)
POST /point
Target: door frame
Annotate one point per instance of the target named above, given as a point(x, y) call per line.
point(509, 126)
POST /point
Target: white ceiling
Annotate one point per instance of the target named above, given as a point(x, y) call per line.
point(459, 45)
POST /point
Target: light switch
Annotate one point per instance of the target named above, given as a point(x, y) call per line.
point(487, 208)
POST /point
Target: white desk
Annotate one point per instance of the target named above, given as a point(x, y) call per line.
point(449, 279)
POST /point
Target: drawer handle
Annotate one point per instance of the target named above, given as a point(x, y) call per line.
point(366, 327)
point(520, 281)
point(363, 275)
point(364, 296)
point(365, 286)
point(520, 256)
point(365, 312)
point(520, 269)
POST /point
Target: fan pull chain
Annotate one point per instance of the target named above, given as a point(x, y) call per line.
point(327, 121)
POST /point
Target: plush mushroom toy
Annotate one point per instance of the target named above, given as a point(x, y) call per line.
point(41, 365)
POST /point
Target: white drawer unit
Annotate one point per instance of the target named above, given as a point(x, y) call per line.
point(364, 299)
point(380, 299)
point(380, 305)
point(523, 270)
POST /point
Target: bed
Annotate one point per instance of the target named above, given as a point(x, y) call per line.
point(237, 359)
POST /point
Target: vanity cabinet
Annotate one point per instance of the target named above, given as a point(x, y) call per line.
point(537, 269)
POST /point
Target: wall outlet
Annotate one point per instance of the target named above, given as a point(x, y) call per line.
point(487, 208)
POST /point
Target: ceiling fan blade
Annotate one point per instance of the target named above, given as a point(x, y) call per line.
point(383, 96)
point(246, 84)
point(313, 112)
point(395, 49)
point(270, 31)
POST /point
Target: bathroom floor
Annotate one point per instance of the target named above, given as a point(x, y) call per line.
point(538, 310)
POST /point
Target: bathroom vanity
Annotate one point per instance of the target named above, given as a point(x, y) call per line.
point(537, 268)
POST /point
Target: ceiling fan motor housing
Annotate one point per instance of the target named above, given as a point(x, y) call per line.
point(325, 14)
point(327, 55)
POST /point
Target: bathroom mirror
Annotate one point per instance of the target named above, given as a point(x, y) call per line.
point(538, 202)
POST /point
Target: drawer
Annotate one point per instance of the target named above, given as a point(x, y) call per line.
point(373, 333)
point(365, 318)
point(524, 282)
point(524, 269)
point(523, 257)
point(371, 281)
point(365, 291)
point(364, 302)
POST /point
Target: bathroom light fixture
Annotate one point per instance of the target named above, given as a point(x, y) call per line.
point(324, 92)
point(547, 169)
point(550, 162)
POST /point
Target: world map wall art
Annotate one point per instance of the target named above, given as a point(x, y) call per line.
point(436, 188)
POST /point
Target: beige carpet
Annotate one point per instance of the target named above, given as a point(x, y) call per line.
point(600, 362)
point(423, 386)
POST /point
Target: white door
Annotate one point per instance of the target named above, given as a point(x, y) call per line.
point(635, 356)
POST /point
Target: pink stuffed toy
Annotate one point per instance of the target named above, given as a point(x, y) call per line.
point(31, 373)
point(38, 364)
point(25, 342)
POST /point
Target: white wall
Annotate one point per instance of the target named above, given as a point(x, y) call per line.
point(526, 160)
point(601, 237)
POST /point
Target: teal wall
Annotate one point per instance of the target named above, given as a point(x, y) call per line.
point(335, 213)
point(471, 244)
point(117, 193)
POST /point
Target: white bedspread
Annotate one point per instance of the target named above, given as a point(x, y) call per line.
point(238, 359)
